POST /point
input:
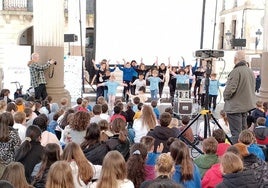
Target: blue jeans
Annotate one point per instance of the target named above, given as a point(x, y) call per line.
point(154, 94)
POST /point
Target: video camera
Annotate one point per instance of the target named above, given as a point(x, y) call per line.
point(209, 53)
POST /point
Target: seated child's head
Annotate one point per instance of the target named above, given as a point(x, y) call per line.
point(117, 101)
point(140, 105)
point(142, 90)
point(165, 119)
point(261, 121)
point(169, 110)
point(117, 110)
point(101, 100)
point(259, 104)
point(174, 123)
point(97, 109)
point(246, 137)
point(64, 101)
point(129, 105)
point(148, 141)
point(19, 101)
point(104, 108)
point(210, 145)
point(103, 124)
point(219, 135)
point(185, 120)
point(121, 106)
point(79, 100)
point(154, 103)
point(242, 149)
point(136, 100)
point(231, 163)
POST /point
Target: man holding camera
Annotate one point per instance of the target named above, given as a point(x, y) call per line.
point(37, 76)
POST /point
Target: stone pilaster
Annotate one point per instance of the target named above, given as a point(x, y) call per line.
point(49, 43)
point(263, 95)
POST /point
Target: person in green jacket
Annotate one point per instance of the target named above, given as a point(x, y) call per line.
point(204, 162)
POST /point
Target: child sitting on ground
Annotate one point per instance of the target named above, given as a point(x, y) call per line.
point(261, 131)
point(138, 113)
point(205, 161)
point(246, 137)
point(219, 135)
point(155, 108)
point(148, 141)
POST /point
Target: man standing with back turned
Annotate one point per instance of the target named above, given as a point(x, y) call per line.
point(239, 95)
point(37, 75)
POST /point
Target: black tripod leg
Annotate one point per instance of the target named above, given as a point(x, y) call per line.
point(188, 126)
point(191, 144)
point(215, 120)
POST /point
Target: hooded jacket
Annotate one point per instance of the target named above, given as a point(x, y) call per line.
point(244, 179)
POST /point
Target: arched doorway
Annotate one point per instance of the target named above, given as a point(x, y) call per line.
point(26, 38)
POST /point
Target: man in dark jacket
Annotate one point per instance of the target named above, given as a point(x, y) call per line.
point(239, 95)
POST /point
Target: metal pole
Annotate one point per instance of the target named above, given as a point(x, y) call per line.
point(81, 44)
point(215, 23)
point(202, 24)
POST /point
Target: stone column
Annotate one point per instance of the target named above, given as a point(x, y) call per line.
point(49, 43)
point(263, 95)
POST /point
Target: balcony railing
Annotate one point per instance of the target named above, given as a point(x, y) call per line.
point(16, 5)
point(27, 5)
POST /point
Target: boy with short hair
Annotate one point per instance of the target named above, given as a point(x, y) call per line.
point(205, 161)
point(246, 137)
point(219, 135)
point(19, 124)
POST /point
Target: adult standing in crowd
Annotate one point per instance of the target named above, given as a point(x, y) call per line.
point(239, 95)
point(37, 75)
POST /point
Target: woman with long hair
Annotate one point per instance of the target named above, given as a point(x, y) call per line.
point(186, 172)
point(146, 122)
point(136, 164)
point(39, 174)
point(114, 172)
point(60, 176)
point(30, 151)
point(82, 170)
point(14, 173)
point(9, 139)
point(93, 148)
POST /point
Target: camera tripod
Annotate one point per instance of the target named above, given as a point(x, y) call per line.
point(206, 113)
